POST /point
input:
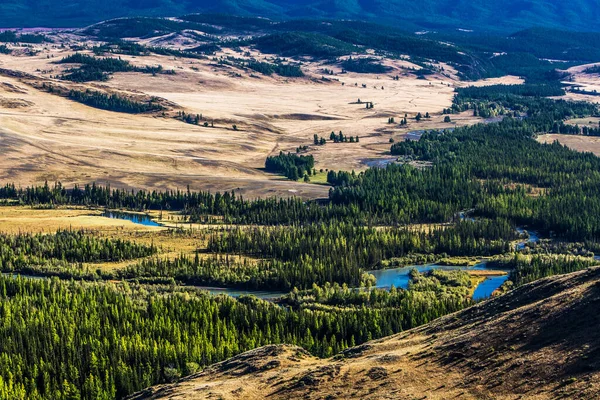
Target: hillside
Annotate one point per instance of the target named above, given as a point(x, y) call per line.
point(536, 342)
point(429, 14)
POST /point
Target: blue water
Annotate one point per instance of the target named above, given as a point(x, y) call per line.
point(400, 277)
point(414, 135)
point(487, 287)
point(140, 219)
point(265, 295)
point(463, 216)
point(533, 238)
point(379, 162)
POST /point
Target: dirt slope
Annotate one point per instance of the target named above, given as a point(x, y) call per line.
point(541, 341)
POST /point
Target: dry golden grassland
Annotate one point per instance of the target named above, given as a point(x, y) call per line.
point(173, 239)
point(18, 219)
point(48, 137)
point(575, 142)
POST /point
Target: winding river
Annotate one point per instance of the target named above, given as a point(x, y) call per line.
point(384, 278)
point(400, 277)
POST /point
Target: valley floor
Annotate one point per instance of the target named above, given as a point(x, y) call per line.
point(50, 138)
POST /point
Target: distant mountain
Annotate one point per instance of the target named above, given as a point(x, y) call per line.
point(483, 15)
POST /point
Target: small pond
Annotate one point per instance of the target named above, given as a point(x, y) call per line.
point(379, 162)
point(139, 219)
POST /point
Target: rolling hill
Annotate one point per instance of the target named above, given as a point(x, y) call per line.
point(536, 342)
point(487, 15)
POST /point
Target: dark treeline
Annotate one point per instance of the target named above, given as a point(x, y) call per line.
point(512, 100)
point(492, 92)
point(68, 340)
point(580, 90)
point(135, 49)
point(13, 37)
point(299, 256)
point(113, 102)
point(341, 138)
point(506, 153)
point(93, 68)
point(568, 129)
point(401, 194)
point(341, 178)
point(291, 165)
point(100, 69)
point(592, 70)
point(207, 48)
point(280, 69)
point(71, 246)
point(364, 66)
point(197, 206)
point(526, 269)
point(121, 47)
point(295, 44)
point(104, 196)
point(61, 253)
point(362, 246)
point(226, 271)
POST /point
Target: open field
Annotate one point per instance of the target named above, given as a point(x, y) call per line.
point(575, 142)
point(48, 137)
point(591, 122)
point(587, 82)
point(15, 219)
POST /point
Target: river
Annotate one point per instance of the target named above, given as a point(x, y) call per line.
point(385, 278)
point(400, 277)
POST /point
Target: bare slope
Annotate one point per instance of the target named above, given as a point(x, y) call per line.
point(538, 342)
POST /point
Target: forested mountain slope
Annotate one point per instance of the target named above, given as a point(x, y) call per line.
point(505, 16)
point(536, 342)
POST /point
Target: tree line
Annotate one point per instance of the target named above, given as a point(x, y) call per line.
point(291, 165)
point(21, 251)
point(100, 68)
point(70, 340)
